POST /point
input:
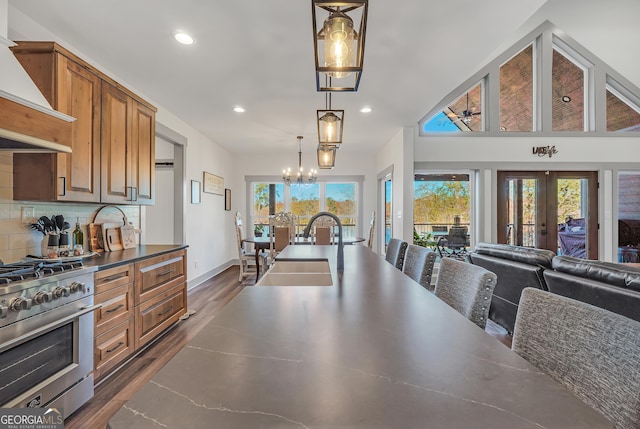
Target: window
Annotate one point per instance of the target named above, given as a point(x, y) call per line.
point(628, 217)
point(440, 201)
point(567, 94)
point(463, 115)
point(305, 200)
point(516, 92)
point(622, 114)
point(527, 99)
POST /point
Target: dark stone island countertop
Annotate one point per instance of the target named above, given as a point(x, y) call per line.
point(375, 350)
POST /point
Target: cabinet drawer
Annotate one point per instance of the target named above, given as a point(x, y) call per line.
point(113, 277)
point(117, 306)
point(158, 313)
point(112, 347)
point(159, 274)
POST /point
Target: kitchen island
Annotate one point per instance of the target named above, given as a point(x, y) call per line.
point(373, 350)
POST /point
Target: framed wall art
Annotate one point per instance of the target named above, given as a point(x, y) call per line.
point(195, 192)
point(227, 199)
point(213, 184)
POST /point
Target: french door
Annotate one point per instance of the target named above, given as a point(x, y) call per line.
point(555, 210)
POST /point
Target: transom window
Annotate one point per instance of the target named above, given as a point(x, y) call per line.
point(548, 84)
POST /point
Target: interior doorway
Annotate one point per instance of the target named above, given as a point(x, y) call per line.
point(555, 210)
point(164, 222)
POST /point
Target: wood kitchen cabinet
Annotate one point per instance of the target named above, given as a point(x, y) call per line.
point(139, 301)
point(114, 320)
point(74, 90)
point(128, 148)
point(160, 296)
point(113, 137)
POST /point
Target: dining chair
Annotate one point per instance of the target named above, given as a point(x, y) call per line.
point(372, 228)
point(323, 230)
point(281, 233)
point(246, 259)
point(395, 252)
point(467, 288)
point(418, 264)
point(591, 351)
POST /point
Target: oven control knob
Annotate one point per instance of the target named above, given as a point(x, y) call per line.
point(77, 287)
point(41, 297)
point(3, 311)
point(60, 291)
point(20, 303)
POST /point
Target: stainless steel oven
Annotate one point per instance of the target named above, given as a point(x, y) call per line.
point(46, 339)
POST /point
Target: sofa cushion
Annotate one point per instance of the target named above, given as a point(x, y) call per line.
point(605, 272)
point(526, 255)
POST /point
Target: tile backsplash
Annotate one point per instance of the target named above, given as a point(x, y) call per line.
point(16, 238)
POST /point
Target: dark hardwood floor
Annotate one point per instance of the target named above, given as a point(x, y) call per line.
point(207, 300)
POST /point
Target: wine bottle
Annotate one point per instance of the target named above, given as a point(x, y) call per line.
point(78, 239)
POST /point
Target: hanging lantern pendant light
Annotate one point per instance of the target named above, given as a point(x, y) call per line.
point(330, 124)
point(339, 47)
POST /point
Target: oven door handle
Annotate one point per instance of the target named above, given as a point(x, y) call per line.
point(48, 327)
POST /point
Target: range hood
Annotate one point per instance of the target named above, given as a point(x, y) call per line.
point(27, 121)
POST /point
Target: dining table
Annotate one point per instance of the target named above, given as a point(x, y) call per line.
point(264, 242)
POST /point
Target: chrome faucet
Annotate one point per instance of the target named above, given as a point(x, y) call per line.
point(306, 231)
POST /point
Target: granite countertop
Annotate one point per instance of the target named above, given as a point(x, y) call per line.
point(375, 350)
point(106, 260)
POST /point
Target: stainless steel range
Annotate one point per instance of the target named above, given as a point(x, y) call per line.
point(46, 335)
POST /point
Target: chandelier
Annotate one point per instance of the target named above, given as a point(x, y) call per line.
point(300, 177)
point(339, 45)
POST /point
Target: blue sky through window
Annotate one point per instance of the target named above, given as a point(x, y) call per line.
point(440, 124)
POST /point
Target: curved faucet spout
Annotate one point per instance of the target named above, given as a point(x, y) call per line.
point(306, 231)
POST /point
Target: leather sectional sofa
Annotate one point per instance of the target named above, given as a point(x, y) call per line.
point(615, 287)
point(517, 268)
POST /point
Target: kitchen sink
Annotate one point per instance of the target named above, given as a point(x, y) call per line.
point(297, 273)
point(295, 279)
point(300, 267)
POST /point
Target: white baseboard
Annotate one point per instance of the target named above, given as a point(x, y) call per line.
point(209, 274)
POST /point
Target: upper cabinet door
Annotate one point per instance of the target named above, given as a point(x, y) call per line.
point(144, 162)
point(116, 142)
point(128, 149)
point(78, 95)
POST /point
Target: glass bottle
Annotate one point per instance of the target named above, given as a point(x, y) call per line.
point(78, 240)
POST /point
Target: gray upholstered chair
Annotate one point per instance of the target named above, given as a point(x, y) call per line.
point(591, 351)
point(418, 264)
point(395, 252)
point(467, 288)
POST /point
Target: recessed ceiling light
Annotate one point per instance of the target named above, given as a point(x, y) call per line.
point(239, 109)
point(366, 109)
point(184, 38)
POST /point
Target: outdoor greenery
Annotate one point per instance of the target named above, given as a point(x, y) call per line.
point(440, 202)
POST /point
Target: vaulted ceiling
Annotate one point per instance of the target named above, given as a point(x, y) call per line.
point(259, 54)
